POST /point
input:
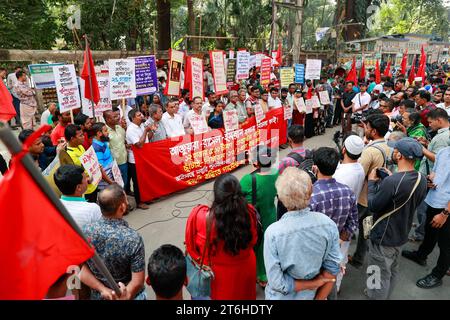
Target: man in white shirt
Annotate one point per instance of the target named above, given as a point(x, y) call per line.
point(209, 79)
point(360, 104)
point(446, 104)
point(210, 104)
point(48, 114)
point(137, 135)
point(72, 181)
point(349, 171)
point(274, 100)
point(196, 110)
point(172, 122)
point(184, 106)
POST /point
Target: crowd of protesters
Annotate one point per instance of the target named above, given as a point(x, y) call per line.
point(288, 225)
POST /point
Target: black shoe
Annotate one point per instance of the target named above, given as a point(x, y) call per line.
point(412, 255)
point(430, 281)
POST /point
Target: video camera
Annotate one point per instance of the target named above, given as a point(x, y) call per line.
point(398, 118)
point(357, 118)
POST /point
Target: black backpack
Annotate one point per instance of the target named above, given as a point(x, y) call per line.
point(304, 163)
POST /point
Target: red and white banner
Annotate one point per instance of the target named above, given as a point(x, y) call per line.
point(218, 69)
point(194, 77)
point(266, 69)
point(174, 79)
point(188, 160)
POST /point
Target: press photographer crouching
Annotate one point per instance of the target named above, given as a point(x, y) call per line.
point(393, 201)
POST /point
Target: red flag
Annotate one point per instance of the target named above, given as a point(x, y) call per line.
point(88, 64)
point(404, 62)
point(387, 70)
point(377, 73)
point(351, 76)
point(422, 65)
point(279, 54)
point(362, 72)
point(7, 111)
point(37, 242)
point(412, 72)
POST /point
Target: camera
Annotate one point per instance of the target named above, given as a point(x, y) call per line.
point(398, 118)
point(357, 118)
point(381, 173)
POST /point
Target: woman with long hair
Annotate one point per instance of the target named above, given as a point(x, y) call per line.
point(233, 235)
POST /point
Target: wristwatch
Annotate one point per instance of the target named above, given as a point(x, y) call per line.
point(445, 212)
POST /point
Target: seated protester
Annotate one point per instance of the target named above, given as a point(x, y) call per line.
point(236, 105)
point(157, 130)
point(399, 195)
point(103, 152)
point(85, 124)
point(172, 121)
point(72, 153)
point(208, 107)
point(274, 100)
point(296, 267)
point(72, 181)
point(166, 272)
point(57, 134)
point(215, 120)
point(120, 247)
point(335, 200)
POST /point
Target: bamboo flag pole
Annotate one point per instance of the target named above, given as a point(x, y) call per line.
point(14, 147)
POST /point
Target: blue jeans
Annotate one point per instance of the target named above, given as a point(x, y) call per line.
point(124, 172)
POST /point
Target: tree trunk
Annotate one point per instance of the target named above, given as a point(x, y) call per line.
point(163, 21)
point(297, 33)
point(192, 43)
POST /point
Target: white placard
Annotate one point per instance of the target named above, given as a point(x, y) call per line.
point(230, 120)
point(117, 175)
point(122, 82)
point(90, 163)
point(243, 65)
point(67, 87)
point(300, 104)
point(252, 61)
point(313, 68)
point(259, 113)
point(324, 98)
point(287, 111)
point(104, 103)
point(315, 102)
point(198, 124)
point(309, 106)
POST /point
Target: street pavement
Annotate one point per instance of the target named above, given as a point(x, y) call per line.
point(165, 220)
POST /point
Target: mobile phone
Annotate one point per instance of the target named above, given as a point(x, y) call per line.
point(381, 173)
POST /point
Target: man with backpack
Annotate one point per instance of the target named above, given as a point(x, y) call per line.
point(373, 156)
point(299, 157)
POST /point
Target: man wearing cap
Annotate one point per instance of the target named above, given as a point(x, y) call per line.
point(350, 172)
point(393, 201)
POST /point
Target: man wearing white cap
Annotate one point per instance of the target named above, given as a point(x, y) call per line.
point(350, 172)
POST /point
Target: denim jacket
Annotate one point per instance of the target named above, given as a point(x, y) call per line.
point(299, 246)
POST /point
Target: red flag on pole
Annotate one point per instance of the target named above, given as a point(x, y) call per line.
point(362, 72)
point(7, 111)
point(37, 244)
point(377, 73)
point(88, 64)
point(422, 65)
point(387, 70)
point(351, 76)
point(279, 54)
point(412, 72)
point(404, 63)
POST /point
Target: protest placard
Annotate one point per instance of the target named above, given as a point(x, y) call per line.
point(286, 76)
point(299, 73)
point(259, 57)
point(243, 61)
point(266, 69)
point(324, 98)
point(195, 76)
point(104, 103)
point(66, 87)
point(90, 163)
point(252, 62)
point(146, 78)
point(198, 124)
point(315, 102)
point(313, 68)
point(287, 111)
point(122, 82)
point(309, 106)
point(117, 175)
point(300, 104)
point(230, 120)
point(231, 71)
point(259, 113)
point(174, 78)
point(42, 75)
point(231, 54)
point(218, 69)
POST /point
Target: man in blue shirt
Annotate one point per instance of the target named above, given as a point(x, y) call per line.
point(103, 152)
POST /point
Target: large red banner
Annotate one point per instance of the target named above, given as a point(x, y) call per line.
point(171, 165)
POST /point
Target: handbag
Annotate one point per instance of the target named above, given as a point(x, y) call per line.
point(368, 224)
point(200, 275)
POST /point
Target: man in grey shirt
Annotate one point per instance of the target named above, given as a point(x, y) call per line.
point(157, 131)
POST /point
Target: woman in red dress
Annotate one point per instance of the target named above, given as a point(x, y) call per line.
point(233, 236)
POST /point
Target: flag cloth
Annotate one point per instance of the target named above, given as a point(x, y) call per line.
point(422, 65)
point(377, 73)
point(7, 111)
point(37, 244)
point(362, 72)
point(387, 71)
point(351, 76)
point(412, 72)
point(88, 64)
point(279, 54)
point(404, 62)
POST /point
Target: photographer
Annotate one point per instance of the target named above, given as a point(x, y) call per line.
point(393, 201)
point(360, 105)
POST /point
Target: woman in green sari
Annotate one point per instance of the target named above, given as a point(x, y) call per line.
point(413, 128)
